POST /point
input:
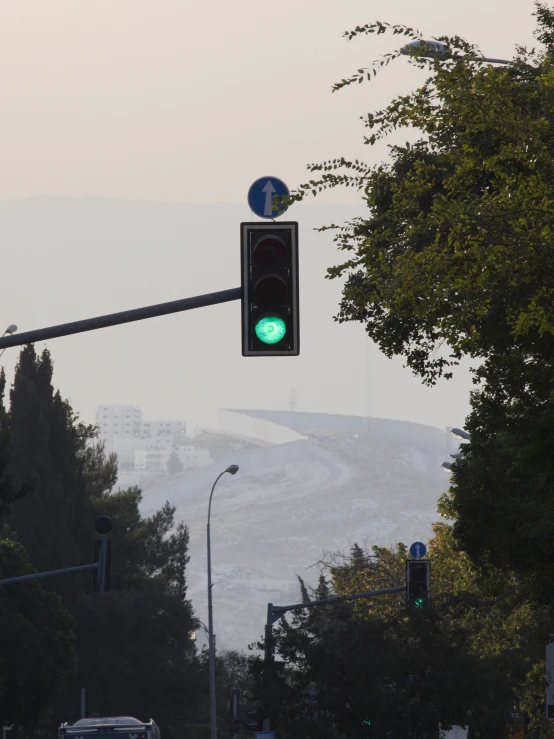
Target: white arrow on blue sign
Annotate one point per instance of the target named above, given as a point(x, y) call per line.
point(261, 194)
point(418, 550)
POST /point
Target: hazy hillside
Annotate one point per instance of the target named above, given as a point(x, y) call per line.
point(350, 479)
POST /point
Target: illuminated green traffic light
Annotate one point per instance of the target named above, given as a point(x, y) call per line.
point(418, 603)
point(270, 329)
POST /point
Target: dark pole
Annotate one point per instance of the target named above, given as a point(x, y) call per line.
point(211, 645)
point(274, 613)
point(126, 316)
point(268, 664)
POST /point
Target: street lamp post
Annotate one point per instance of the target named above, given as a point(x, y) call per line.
point(232, 470)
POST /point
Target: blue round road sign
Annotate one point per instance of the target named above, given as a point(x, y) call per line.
point(261, 194)
point(418, 550)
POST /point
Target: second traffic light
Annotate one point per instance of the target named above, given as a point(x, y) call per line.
point(269, 276)
point(418, 582)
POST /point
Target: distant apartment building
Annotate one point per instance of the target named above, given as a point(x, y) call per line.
point(117, 421)
point(174, 430)
point(145, 446)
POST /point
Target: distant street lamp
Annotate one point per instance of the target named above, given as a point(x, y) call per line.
point(440, 51)
point(12, 328)
point(460, 434)
point(232, 470)
point(457, 434)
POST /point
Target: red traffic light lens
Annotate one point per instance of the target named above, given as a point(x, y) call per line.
point(270, 290)
point(269, 250)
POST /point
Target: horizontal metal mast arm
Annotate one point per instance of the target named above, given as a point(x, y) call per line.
point(279, 610)
point(127, 316)
point(37, 575)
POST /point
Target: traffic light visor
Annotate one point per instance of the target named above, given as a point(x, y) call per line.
point(269, 250)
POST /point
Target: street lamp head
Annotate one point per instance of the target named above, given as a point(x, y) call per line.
point(12, 328)
point(460, 434)
point(233, 469)
point(447, 466)
point(427, 49)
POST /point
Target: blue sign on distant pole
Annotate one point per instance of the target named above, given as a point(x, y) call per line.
point(261, 194)
point(418, 550)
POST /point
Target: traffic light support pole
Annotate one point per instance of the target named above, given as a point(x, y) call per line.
point(274, 613)
point(126, 316)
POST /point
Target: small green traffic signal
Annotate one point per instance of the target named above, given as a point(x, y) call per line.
point(270, 329)
point(418, 582)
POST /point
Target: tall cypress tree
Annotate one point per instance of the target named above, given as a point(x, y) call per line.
point(54, 520)
point(8, 491)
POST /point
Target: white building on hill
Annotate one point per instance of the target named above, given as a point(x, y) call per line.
point(149, 460)
point(145, 445)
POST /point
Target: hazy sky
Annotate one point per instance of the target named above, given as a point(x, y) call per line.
point(188, 103)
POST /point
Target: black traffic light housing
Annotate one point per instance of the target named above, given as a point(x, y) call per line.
point(418, 582)
point(269, 278)
point(102, 554)
point(254, 720)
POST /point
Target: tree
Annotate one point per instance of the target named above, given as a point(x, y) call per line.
point(456, 247)
point(37, 655)
point(8, 492)
point(468, 659)
point(400, 676)
point(133, 645)
point(174, 464)
point(454, 257)
point(54, 519)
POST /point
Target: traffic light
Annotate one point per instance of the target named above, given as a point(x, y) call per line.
point(102, 554)
point(254, 720)
point(234, 725)
point(269, 270)
point(418, 582)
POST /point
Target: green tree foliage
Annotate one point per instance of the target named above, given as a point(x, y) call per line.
point(8, 492)
point(470, 658)
point(501, 496)
point(454, 257)
point(37, 644)
point(53, 520)
point(438, 257)
point(174, 464)
point(133, 646)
